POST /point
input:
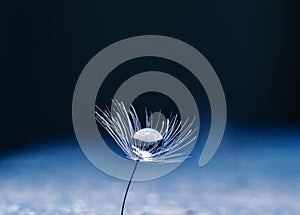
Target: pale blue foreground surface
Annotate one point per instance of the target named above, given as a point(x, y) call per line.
point(252, 173)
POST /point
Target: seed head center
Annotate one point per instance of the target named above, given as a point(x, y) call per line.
point(148, 135)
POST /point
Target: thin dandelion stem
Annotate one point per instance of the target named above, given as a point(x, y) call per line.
point(124, 199)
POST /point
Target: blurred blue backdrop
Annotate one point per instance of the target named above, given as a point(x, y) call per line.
point(253, 47)
point(253, 172)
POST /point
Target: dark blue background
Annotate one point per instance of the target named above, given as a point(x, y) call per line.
point(252, 45)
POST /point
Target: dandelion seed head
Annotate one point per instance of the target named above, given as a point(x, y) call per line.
point(160, 141)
